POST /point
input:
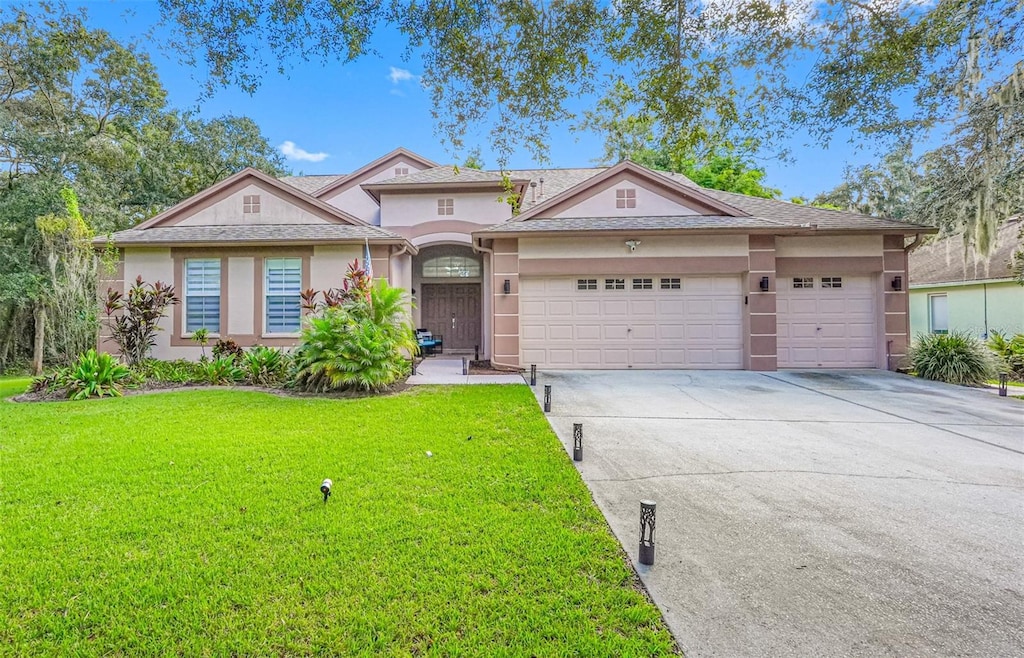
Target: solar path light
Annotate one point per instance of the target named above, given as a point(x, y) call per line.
point(647, 509)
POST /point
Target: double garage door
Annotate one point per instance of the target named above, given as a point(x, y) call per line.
point(673, 321)
point(639, 321)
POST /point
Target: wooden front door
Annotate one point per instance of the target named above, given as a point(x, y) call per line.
point(452, 310)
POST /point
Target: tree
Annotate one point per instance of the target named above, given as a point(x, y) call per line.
point(891, 189)
point(85, 116)
point(699, 74)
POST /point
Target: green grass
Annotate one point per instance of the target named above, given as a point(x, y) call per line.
point(191, 524)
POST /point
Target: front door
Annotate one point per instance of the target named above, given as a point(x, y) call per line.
point(452, 310)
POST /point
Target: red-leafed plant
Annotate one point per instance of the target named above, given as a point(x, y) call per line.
point(134, 317)
point(356, 285)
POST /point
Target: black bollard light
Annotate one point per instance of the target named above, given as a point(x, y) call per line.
point(476, 352)
point(547, 398)
point(465, 366)
point(533, 374)
point(577, 442)
point(325, 489)
point(1003, 377)
point(647, 509)
point(414, 365)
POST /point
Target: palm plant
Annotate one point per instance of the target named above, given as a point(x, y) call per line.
point(360, 344)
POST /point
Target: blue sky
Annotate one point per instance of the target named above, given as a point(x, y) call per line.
point(351, 114)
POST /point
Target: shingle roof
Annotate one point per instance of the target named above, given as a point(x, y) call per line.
point(944, 260)
point(445, 174)
point(693, 222)
point(258, 233)
point(310, 184)
point(556, 181)
point(796, 215)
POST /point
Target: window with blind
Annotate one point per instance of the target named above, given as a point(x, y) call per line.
point(202, 295)
point(281, 290)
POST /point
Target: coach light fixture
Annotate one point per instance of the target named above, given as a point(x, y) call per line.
point(632, 244)
point(764, 283)
point(507, 286)
point(325, 488)
point(897, 282)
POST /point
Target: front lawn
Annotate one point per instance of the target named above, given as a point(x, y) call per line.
point(191, 524)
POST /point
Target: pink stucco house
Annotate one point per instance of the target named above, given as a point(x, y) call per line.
point(619, 267)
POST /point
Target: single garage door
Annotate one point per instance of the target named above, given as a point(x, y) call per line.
point(827, 322)
point(645, 321)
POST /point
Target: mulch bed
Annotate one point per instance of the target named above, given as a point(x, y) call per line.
point(177, 387)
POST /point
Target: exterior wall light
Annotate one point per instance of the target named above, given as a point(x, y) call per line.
point(764, 283)
point(507, 287)
point(897, 282)
point(647, 510)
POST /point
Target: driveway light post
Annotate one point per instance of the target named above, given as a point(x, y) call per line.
point(647, 509)
point(533, 374)
point(577, 442)
point(547, 398)
point(1002, 384)
point(465, 366)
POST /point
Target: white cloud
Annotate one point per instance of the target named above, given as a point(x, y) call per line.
point(398, 75)
point(293, 152)
point(397, 92)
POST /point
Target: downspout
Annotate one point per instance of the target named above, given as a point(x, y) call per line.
point(984, 292)
point(479, 247)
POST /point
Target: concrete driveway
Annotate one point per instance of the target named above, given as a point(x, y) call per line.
point(855, 513)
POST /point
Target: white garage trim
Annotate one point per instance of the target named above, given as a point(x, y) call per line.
point(641, 321)
point(827, 322)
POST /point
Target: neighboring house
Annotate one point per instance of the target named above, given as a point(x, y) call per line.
point(953, 290)
point(619, 267)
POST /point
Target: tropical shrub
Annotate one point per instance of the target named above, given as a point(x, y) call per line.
point(1010, 353)
point(96, 374)
point(956, 358)
point(177, 372)
point(222, 371)
point(357, 338)
point(225, 347)
point(265, 366)
point(134, 317)
point(202, 337)
point(49, 382)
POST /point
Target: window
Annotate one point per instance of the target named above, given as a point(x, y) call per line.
point(614, 284)
point(625, 198)
point(202, 295)
point(671, 284)
point(938, 314)
point(447, 267)
point(401, 171)
point(803, 282)
point(251, 204)
point(831, 282)
point(283, 285)
point(643, 284)
point(586, 284)
point(446, 206)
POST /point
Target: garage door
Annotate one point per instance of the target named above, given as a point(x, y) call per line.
point(647, 321)
point(827, 322)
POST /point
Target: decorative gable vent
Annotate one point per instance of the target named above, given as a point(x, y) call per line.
point(251, 204)
point(401, 171)
point(446, 206)
point(625, 198)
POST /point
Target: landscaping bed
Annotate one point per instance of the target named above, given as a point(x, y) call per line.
point(191, 524)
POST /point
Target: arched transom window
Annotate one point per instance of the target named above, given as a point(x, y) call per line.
point(445, 267)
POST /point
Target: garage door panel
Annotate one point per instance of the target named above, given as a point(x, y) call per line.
point(698, 324)
point(643, 307)
point(560, 332)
